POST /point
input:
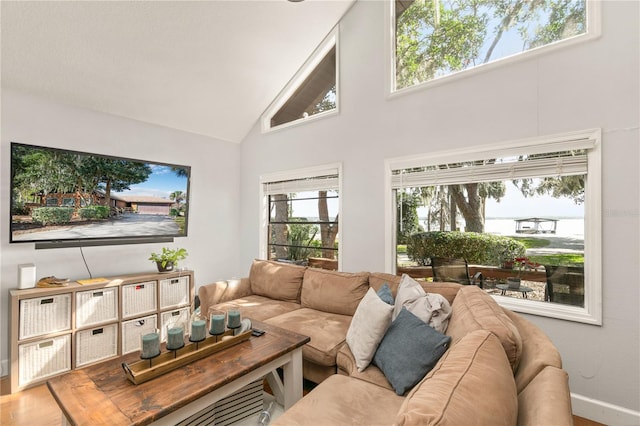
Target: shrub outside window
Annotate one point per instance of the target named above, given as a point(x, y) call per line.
point(525, 214)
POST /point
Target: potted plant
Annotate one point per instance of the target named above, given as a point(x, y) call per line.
point(520, 264)
point(168, 259)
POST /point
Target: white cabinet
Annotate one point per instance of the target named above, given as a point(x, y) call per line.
point(54, 330)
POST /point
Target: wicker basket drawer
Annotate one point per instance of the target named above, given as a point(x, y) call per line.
point(138, 299)
point(44, 315)
point(172, 318)
point(44, 358)
point(133, 329)
point(96, 307)
point(96, 344)
point(174, 292)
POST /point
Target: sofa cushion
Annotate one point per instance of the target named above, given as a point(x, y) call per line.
point(473, 309)
point(378, 279)
point(472, 383)
point(385, 294)
point(331, 291)
point(368, 326)
point(429, 307)
point(280, 281)
point(259, 308)
point(341, 400)
point(546, 400)
point(409, 350)
point(346, 364)
point(445, 289)
point(538, 351)
point(448, 290)
point(326, 330)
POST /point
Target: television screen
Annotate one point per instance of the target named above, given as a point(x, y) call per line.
point(63, 198)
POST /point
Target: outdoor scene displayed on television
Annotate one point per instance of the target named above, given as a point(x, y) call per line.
point(59, 195)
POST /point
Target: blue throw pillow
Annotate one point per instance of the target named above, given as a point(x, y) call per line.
point(385, 294)
point(409, 350)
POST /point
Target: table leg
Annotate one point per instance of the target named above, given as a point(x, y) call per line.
point(276, 386)
point(293, 379)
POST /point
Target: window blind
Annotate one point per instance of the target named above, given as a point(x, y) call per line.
point(523, 166)
point(327, 182)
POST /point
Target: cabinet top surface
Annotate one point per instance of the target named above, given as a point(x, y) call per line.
point(108, 282)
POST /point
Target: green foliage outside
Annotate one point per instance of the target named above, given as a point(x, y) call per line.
point(408, 214)
point(436, 38)
point(52, 215)
point(180, 220)
point(482, 249)
point(300, 238)
point(94, 212)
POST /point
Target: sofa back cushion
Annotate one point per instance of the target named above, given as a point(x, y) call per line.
point(448, 290)
point(334, 292)
point(473, 309)
point(472, 383)
point(280, 281)
point(378, 279)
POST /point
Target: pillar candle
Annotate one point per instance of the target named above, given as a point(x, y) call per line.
point(217, 324)
point(150, 345)
point(198, 330)
point(234, 319)
point(175, 338)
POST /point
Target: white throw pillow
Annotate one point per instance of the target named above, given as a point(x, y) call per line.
point(431, 308)
point(368, 326)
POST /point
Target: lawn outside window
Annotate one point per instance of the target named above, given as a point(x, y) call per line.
point(480, 197)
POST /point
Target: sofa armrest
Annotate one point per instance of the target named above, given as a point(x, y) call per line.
point(222, 291)
point(546, 399)
point(346, 364)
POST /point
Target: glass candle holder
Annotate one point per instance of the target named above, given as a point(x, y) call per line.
point(234, 318)
point(198, 330)
point(217, 320)
point(150, 345)
point(175, 336)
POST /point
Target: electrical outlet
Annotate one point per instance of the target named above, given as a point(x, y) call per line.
point(4, 368)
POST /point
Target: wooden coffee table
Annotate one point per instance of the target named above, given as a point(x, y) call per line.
point(102, 394)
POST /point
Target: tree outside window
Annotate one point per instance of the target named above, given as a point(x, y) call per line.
point(436, 38)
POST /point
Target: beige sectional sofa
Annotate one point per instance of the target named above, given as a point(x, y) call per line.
point(499, 368)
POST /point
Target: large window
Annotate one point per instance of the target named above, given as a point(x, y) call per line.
point(302, 216)
point(437, 38)
point(525, 215)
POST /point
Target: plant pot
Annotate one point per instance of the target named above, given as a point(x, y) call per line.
point(507, 264)
point(168, 267)
point(514, 283)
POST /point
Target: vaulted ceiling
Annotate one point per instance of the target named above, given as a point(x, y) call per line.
point(206, 67)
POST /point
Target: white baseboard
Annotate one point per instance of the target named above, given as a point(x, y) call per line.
point(4, 368)
point(603, 412)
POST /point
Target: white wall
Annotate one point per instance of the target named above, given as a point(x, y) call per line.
point(213, 223)
point(590, 85)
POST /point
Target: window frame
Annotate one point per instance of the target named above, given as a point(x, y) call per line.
point(331, 40)
point(591, 313)
point(307, 172)
point(593, 32)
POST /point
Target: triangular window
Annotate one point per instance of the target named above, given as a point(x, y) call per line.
point(311, 92)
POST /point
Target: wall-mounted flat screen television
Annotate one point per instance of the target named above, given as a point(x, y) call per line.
point(64, 198)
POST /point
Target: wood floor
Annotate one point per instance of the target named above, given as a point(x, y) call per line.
point(36, 407)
